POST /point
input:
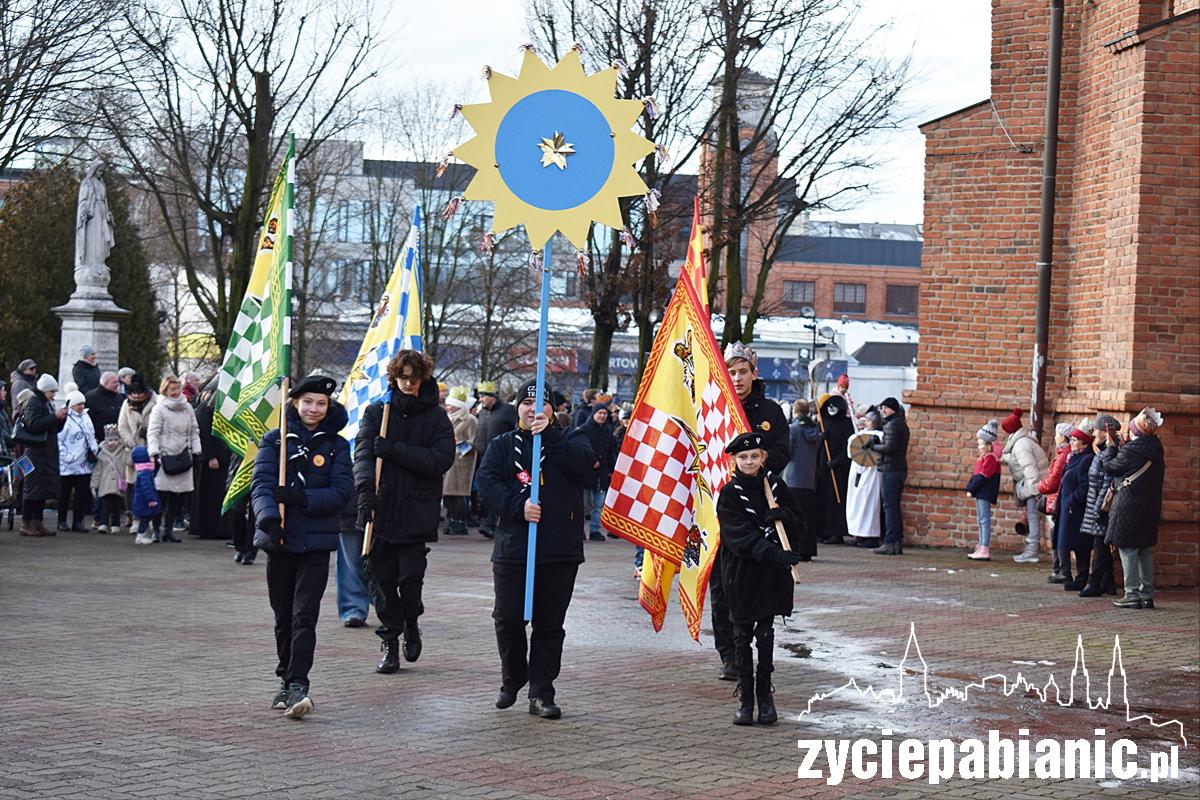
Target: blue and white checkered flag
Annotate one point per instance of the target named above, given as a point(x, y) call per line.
point(396, 326)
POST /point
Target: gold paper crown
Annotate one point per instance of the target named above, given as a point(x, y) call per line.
point(485, 387)
point(458, 393)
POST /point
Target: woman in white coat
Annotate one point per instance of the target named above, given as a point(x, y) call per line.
point(1028, 464)
point(76, 450)
point(173, 440)
point(863, 501)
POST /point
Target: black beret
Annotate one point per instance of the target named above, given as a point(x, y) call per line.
point(314, 384)
point(745, 441)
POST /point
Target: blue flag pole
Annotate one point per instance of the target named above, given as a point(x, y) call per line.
point(536, 469)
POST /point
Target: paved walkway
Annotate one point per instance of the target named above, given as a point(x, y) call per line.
point(145, 672)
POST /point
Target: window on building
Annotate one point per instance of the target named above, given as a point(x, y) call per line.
point(850, 298)
point(902, 301)
point(799, 293)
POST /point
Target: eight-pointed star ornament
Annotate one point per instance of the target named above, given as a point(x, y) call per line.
point(553, 150)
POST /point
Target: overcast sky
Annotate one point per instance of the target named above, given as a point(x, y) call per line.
point(451, 40)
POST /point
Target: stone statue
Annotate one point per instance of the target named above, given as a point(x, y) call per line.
point(93, 230)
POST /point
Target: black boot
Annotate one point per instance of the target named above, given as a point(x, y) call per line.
point(764, 642)
point(391, 657)
point(412, 641)
point(889, 549)
point(1057, 572)
point(745, 692)
point(1081, 580)
point(767, 715)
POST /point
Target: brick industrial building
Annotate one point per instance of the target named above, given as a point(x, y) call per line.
point(1125, 313)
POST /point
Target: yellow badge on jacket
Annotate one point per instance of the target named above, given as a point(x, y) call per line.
point(318, 460)
point(764, 425)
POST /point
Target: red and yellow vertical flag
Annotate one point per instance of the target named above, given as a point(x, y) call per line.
point(673, 462)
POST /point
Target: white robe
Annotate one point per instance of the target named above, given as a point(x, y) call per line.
point(862, 498)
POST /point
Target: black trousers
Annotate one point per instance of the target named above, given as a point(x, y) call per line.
point(763, 633)
point(456, 513)
point(172, 504)
point(1102, 564)
point(719, 608)
point(295, 584)
point(553, 587)
point(396, 573)
point(112, 509)
point(74, 493)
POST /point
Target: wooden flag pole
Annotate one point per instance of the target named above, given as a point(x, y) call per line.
point(535, 469)
point(369, 530)
point(783, 537)
point(283, 458)
point(833, 477)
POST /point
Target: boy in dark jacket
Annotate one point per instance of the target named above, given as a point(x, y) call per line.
point(604, 453)
point(415, 453)
point(755, 568)
point(504, 484)
point(319, 483)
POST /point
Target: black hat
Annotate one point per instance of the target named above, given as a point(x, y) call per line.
point(528, 390)
point(1104, 421)
point(745, 441)
point(892, 403)
point(313, 384)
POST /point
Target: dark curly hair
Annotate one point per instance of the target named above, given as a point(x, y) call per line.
point(421, 365)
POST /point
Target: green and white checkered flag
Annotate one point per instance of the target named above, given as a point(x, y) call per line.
point(260, 351)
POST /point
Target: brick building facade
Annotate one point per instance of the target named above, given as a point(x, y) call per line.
point(1125, 314)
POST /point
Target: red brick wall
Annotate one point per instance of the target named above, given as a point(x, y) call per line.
point(1125, 318)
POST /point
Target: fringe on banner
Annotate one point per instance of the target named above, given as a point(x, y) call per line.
point(653, 201)
point(487, 72)
point(442, 166)
point(452, 207)
point(651, 107)
point(664, 155)
point(535, 261)
point(455, 111)
point(487, 245)
point(581, 262)
point(627, 238)
point(621, 67)
point(527, 47)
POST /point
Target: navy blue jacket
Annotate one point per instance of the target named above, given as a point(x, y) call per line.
point(604, 450)
point(566, 468)
point(1072, 502)
point(319, 462)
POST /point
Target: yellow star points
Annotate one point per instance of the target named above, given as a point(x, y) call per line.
point(555, 151)
point(628, 147)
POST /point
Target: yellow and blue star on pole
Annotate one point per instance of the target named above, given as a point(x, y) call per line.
point(553, 149)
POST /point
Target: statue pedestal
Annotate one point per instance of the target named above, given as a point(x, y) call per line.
point(89, 317)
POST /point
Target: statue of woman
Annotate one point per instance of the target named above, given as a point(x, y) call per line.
point(93, 221)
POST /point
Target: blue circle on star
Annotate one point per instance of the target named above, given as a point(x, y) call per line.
point(539, 116)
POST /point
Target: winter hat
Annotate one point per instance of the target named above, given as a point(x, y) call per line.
point(46, 383)
point(137, 384)
point(26, 365)
point(1106, 421)
point(528, 391)
point(140, 454)
point(1081, 435)
point(989, 432)
point(1012, 423)
point(843, 381)
point(1147, 421)
point(457, 397)
point(1064, 429)
point(23, 397)
point(125, 372)
point(1087, 426)
point(87, 350)
point(442, 386)
point(892, 403)
point(75, 398)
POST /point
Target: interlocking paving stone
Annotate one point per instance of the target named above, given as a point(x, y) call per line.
point(145, 672)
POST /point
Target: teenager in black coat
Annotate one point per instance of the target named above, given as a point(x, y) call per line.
point(756, 569)
point(319, 482)
point(833, 468)
point(417, 451)
point(504, 484)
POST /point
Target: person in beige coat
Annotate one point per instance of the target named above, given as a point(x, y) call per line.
point(1027, 464)
point(172, 434)
point(133, 423)
point(456, 486)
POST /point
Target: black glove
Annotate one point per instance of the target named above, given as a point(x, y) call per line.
point(785, 557)
point(383, 447)
point(273, 530)
point(870, 444)
point(291, 496)
point(367, 501)
point(779, 515)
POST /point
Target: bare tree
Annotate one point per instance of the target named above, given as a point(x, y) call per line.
point(660, 46)
point(200, 103)
point(50, 51)
point(800, 95)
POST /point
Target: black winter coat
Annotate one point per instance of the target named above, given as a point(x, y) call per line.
point(755, 586)
point(566, 467)
point(603, 450)
point(86, 376)
point(1136, 510)
point(322, 457)
point(209, 494)
point(500, 418)
point(1095, 521)
point(410, 487)
point(765, 415)
point(38, 415)
point(103, 407)
point(893, 450)
point(1072, 502)
point(833, 468)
